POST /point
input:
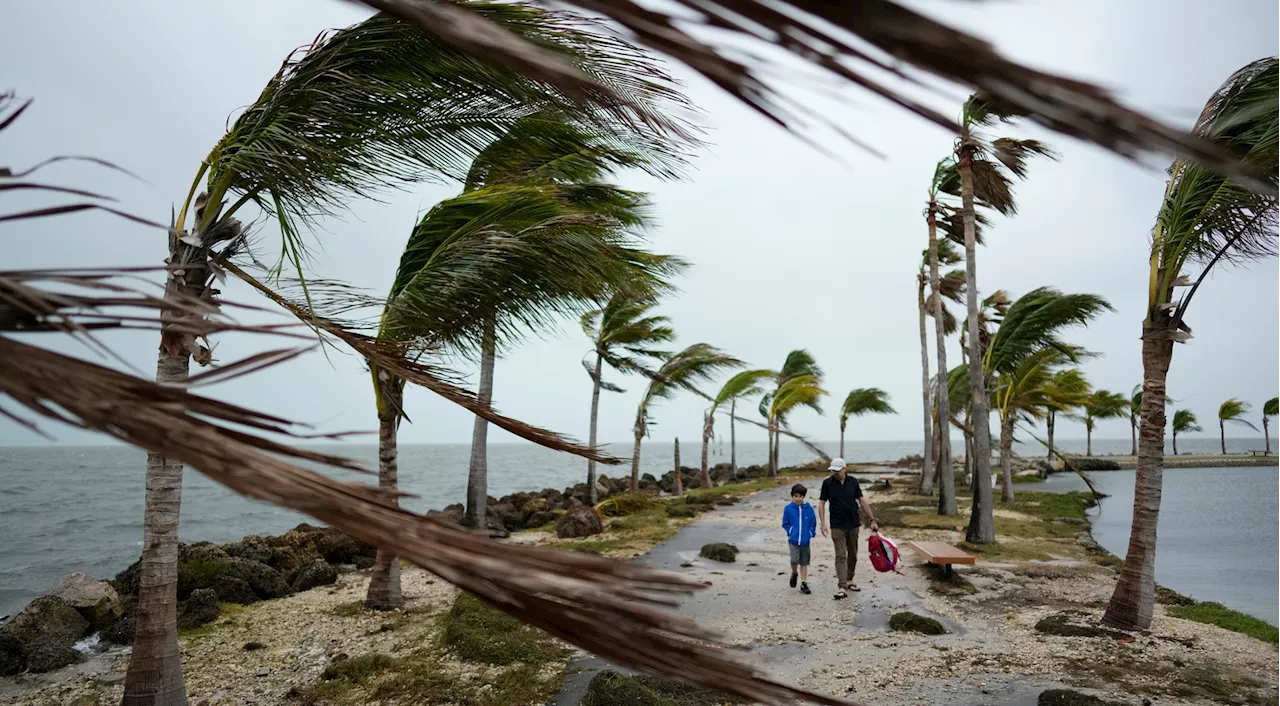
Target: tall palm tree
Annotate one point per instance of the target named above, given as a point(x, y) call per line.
point(623, 334)
point(950, 286)
point(864, 400)
point(1233, 410)
point(1067, 391)
point(1269, 410)
point(1023, 394)
point(744, 384)
point(1101, 405)
point(799, 365)
point(1184, 421)
point(1204, 218)
point(697, 363)
point(376, 105)
point(986, 168)
point(1030, 325)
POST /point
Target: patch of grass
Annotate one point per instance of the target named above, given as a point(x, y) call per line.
point(609, 688)
point(1027, 479)
point(358, 669)
point(625, 504)
point(200, 572)
point(1199, 682)
point(1224, 617)
point(593, 546)
point(1168, 596)
point(477, 632)
point(225, 612)
point(645, 521)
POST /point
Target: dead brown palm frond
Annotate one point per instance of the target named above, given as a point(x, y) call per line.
point(607, 607)
point(403, 359)
point(1072, 107)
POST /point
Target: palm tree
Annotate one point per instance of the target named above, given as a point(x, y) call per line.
point(1233, 410)
point(1269, 410)
point(697, 363)
point(1101, 405)
point(623, 334)
point(1068, 390)
point(1184, 420)
point(743, 384)
point(986, 168)
point(345, 117)
point(949, 286)
point(799, 365)
point(865, 400)
point(1205, 218)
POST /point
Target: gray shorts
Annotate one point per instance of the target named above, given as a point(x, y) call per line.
point(799, 554)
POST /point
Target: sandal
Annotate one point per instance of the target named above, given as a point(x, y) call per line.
point(853, 587)
point(840, 595)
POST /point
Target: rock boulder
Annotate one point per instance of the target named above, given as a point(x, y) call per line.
point(47, 615)
point(47, 652)
point(317, 573)
point(97, 601)
point(264, 580)
point(579, 521)
point(200, 608)
point(233, 590)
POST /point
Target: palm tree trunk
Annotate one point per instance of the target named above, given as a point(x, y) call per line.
point(841, 442)
point(773, 471)
point(946, 477)
point(981, 520)
point(679, 479)
point(1088, 444)
point(777, 451)
point(733, 439)
point(926, 478)
point(635, 460)
point(384, 584)
point(1133, 435)
point(1006, 457)
point(1266, 436)
point(1049, 427)
point(1222, 431)
point(1133, 601)
point(968, 455)
point(591, 440)
point(154, 677)
point(704, 475)
point(478, 474)
point(1175, 442)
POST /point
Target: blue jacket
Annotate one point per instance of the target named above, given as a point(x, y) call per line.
point(799, 522)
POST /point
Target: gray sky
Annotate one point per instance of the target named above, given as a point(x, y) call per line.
point(792, 248)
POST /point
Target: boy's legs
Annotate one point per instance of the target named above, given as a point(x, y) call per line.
point(804, 564)
point(795, 561)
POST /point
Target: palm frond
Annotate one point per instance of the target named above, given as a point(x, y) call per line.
point(800, 391)
point(1103, 404)
point(682, 371)
point(866, 400)
point(801, 27)
point(1067, 390)
point(743, 384)
point(1271, 408)
point(1207, 218)
point(1184, 421)
point(799, 362)
point(1233, 410)
point(1034, 322)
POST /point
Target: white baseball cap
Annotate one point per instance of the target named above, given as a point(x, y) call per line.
point(836, 465)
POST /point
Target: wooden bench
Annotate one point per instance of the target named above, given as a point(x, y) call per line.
point(941, 554)
point(886, 480)
point(1257, 452)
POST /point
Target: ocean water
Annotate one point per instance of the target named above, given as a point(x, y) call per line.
point(78, 508)
point(1217, 535)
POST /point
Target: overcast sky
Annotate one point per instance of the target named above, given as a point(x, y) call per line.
point(792, 246)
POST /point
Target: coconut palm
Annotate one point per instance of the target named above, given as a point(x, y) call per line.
point(1269, 410)
point(1184, 420)
point(1233, 410)
point(950, 286)
point(1204, 218)
point(1135, 413)
point(1014, 359)
point(376, 105)
point(1024, 394)
point(1067, 391)
point(985, 168)
point(1100, 405)
point(774, 406)
point(697, 363)
point(744, 384)
point(862, 401)
point(623, 334)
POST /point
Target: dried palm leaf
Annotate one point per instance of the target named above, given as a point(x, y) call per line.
point(896, 33)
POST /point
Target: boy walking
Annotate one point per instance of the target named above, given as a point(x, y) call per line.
point(801, 525)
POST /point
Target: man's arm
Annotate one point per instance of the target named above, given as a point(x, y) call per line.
point(822, 516)
point(866, 507)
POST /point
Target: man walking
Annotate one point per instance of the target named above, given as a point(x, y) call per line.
point(845, 495)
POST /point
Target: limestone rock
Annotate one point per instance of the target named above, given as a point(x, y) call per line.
point(317, 573)
point(579, 521)
point(97, 601)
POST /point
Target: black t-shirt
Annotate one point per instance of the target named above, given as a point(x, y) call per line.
point(844, 501)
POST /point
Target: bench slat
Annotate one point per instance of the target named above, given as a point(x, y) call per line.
point(942, 553)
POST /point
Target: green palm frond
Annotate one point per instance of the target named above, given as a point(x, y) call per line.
point(1271, 408)
point(626, 335)
point(743, 384)
point(800, 362)
point(1027, 388)
point(1034, 322)
point(801, 391)
point(958, 390)
point(1067, 390)
point(682, 371)
point(1103, 404)
point(1207, 218)
point(1184, 420)
point(766, 403)
point(1233, 410)
point(867, 400)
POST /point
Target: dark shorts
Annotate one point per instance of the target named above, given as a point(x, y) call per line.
point(799, 554)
